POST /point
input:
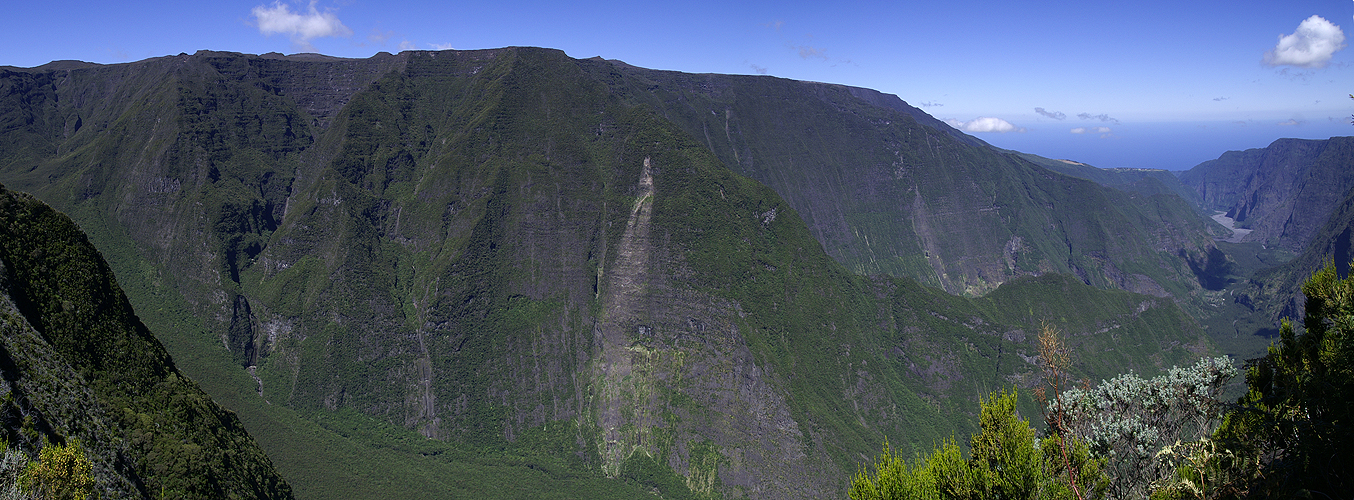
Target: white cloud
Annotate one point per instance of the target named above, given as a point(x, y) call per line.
point(441, 46)
point(1290, 123)
point(302, 27)
point(407, 45)
point(1311, 46)
point(985, 124)
point(1096, 130)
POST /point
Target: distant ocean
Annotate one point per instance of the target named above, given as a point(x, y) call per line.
point(1169, 145)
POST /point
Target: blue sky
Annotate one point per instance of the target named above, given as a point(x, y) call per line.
point(1114, 84)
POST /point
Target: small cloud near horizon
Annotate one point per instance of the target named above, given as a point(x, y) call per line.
point(985, 124)
point(1056, 115)
point(1220, 99)
point(1096, 130)
point(1290, 123)
point(1102, 117)
point(441, 46)
point(1105, 132)
point(302, 26)
point(1311, 46)
point(929, 104)
point(407, 45)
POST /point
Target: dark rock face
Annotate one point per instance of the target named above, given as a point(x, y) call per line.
point(1284, 192)
point(1279, 289)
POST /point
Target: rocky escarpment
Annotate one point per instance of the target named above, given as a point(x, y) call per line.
point(503, 252)
point(661, 343)
point(1277, 292)
point(1284, 193)
point(886, 188)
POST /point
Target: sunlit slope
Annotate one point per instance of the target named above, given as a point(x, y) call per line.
point(888, 189)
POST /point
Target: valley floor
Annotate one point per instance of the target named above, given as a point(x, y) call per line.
point(1229, 223)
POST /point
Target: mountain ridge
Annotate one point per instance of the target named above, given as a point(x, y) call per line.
point(846, 157)
point(499, 250)
point(1283, 192)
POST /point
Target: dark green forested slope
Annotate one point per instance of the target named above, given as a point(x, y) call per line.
point(78, 363)
point(455, 271)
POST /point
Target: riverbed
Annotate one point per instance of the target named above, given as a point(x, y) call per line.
point(1237, 234)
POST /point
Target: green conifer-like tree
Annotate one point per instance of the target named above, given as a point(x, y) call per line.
point(1007, 461)
point(1291, 434)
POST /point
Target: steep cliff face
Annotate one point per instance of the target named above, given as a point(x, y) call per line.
point(77, 363)
point(1284, 193)
point(1278, 291)
point(889, 189)
point(502, 250)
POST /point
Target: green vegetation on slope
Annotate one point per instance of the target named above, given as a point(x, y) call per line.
point(1287, 434)
point(492, 265)
point(887, 189)
point(154, 428)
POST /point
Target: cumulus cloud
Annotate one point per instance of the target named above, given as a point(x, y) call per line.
point(759, 69)
point(1056, 115)
point(1290, 123)
point(407, 45)
point(985, 124)
point(1311, 46)
point(302, 27)
point(441, 46)
point(1102, 117)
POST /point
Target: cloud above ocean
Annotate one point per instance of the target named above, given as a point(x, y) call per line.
point(1311, 46)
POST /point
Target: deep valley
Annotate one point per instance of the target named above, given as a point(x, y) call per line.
point(509, 273)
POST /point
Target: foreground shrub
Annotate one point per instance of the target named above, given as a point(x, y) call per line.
point(1006, 461)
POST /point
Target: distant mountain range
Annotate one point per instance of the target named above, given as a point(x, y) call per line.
point(497, 272)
